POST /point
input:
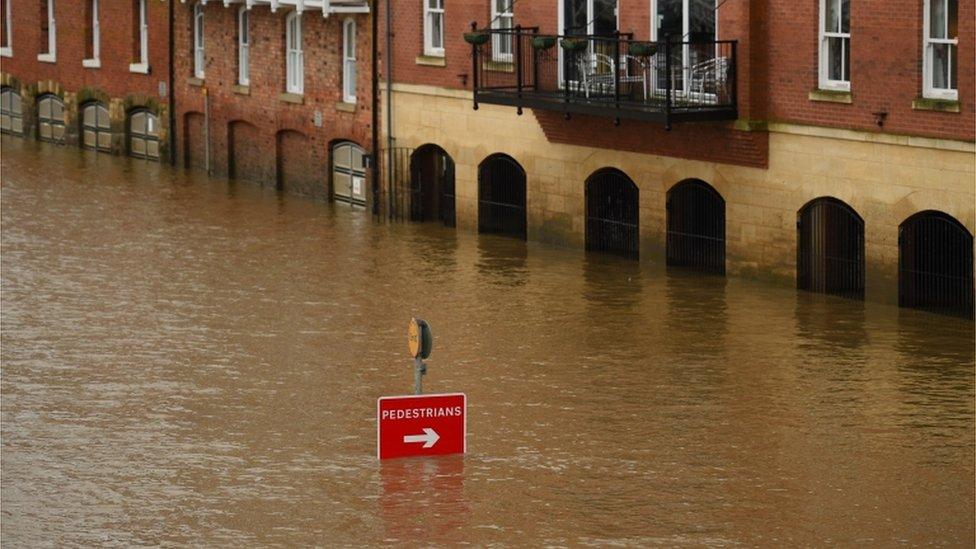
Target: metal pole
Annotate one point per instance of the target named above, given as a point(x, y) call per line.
point(389, 102)
point(419, 369)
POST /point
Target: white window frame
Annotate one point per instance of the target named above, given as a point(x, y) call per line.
point(349, 72)
point(244, 46)
point(431, 13)
point(94, 61)
point(825, 82)
point(51, 55)
point(294, 56)
point(502, 20)
point(199, 53)
point(928, 62)
point(143, 65)
point(7, 50)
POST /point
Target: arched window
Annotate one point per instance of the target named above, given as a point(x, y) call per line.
point(243, 46)
point(50, 119)
point(830, 251)
point(348, 173)
point(11, 112)
point(199, 60)
point(432, 185)
point(294, 56)
point(144, 135)
point(935, 264)
point(696, 227)
point(96, 131)
point(349, 61)
point(612, 213)
point(501, 196)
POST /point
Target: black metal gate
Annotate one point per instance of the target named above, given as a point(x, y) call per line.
point(830, 257)
point(935, 265)
point(612, 213)
point(501, 196)
point(696, 227)
point(432, 185)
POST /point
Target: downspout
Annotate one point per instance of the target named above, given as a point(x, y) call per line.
point(172, 88)
point(376, 111)
point(389, 104)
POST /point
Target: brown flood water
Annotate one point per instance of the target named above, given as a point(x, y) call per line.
point(188, 361)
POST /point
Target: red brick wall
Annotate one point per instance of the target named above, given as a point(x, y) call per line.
point(886, 68)
point(777, 60)
point(254, 148)
point(117, 20)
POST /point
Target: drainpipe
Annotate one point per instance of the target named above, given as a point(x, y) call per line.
point(389, 103)
point(376, 111)
point(172, 88)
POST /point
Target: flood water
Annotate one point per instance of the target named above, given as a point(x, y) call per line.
point(188, 361)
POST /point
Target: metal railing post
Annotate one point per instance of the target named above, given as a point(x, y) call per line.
point(615, 66)
point(518, 64)
point(474, 68)
point(668, 82)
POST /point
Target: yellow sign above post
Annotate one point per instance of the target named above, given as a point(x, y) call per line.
point(419, 338)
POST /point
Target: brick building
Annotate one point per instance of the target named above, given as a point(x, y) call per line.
point(822, 143)
point(93, 73)
point(277, 92)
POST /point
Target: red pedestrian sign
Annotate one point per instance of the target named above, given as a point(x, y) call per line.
point(421, 425)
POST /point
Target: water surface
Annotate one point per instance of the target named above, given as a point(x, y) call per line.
point(192, 361)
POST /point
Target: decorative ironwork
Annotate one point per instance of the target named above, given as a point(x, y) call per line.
point(612, 213)
point(501, 196)
point(615, 76)
point(935, 265)
point(696, 227)
point(830, 257)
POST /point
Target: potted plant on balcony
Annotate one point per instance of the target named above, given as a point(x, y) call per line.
point(573, 44)
point(642, 49)
point(543, 42)
point(476, 38)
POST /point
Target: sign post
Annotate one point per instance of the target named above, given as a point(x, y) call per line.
point(419, 424)
point(420, 341)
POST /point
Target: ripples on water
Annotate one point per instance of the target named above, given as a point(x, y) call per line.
point(192, 361)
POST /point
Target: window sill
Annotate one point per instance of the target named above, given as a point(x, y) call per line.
point(431, 60)
point(345, 106)
point(47, 58)
point(141, 68)
point(6, 52)
point(91, 63)
point(831, 96)
point(194, 81)
point(937, 105)
point(498, 66)
point(295, 98)
point(241, 89)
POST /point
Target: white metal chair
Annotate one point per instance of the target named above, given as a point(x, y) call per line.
point(708, 75)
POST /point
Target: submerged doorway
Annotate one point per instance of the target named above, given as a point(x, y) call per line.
point(696, 227)
point(432, 185)
point(830, 256)
point(612, 213)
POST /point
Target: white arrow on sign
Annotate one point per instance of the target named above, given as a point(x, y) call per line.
point(429, 438)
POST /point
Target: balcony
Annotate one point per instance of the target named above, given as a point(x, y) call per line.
point(608, 76)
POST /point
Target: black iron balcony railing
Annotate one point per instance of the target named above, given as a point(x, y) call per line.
point(610, 76)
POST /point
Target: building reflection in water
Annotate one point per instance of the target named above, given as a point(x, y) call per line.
point(501, 260)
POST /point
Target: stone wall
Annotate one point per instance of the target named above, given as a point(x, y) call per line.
point(886, 178)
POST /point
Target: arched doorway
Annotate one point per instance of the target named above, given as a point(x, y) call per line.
point(244, 159)
point(50, 119)
point(143, 135)
point(432, 185)
point(501, 196)
point(935, 264)
point(194, 141)
point(11, 112)
point(830, 252)
point(612, 208)
point(348, 173)
point(696, 227)
point(96, 130)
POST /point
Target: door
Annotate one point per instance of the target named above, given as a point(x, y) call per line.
point(692, 26)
